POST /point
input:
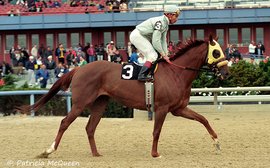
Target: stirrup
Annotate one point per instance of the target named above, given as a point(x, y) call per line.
point(148, 78)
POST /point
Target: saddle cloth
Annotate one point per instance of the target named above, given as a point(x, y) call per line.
point(130, 71)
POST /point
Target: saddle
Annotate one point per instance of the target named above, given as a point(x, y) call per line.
point(130, 71)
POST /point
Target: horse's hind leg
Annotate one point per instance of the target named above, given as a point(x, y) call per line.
point(71, 116)
point(97, 109)
point(190, 114)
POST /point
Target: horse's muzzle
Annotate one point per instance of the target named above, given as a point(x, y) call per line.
point(224, 72)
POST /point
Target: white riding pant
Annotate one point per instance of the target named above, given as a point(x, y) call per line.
point(143, 45)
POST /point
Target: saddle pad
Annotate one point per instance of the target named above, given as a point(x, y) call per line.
point(130, 71)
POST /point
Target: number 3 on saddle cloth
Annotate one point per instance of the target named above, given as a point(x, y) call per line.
point(130, 71)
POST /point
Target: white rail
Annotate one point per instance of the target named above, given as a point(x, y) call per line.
point(241, 98)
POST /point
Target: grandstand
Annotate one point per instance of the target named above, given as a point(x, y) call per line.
point(143, 5)
point(157, 5)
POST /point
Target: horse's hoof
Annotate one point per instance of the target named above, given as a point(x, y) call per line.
point(43, 155)
point(156, 155)
point(218, 148)
point(97, 155)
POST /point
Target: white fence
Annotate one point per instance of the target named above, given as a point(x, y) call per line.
point(215, 98)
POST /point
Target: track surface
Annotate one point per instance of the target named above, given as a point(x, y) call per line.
point(244, 138)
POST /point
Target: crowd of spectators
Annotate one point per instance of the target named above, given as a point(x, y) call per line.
point(254, 51)
point(22, 6)
point(41, 63)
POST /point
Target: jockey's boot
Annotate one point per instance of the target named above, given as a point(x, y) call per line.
point(144, 72)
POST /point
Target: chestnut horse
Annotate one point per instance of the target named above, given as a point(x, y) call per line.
point(93, 85)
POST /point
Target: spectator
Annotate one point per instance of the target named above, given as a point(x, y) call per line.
point(2, 2)
point(251, 48)
point(85, 48)
point(51, 65)
point(261, 49)
point(70, 58)
point(32, 8)
point(100, 52)
point(237, 59)
point(86, 11)
point(231, 61)
point(123, 7)
point(236, 53)
point(49, 4)
point(228, 52)
point(82, 61)
point(25, 56)
point(20, 2)
point(56, 4)
point(12, 13)
point(48, 52)
point(92, 3)
point(5, 69)
point(115, 7)
point(117, 58)
point(129, 49)
point(141, 59)
point(91, 54)
point(39, 5)
point(41, 52)
point(34, 51)
point(61, 53)
point(42, 76)
point(134, 56)
point(29, 66)
point(100, 6)
point(12, 56)
point(60, 70)
point(38, 62)
point(252, 61)
point(74, 3)
point(18, 56)
point(44, 4)
point(171, 48)
point(80, 53)
point(109, 7)
point(111, 51)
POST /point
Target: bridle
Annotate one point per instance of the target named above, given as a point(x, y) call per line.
point(214, 60)
point(187, 68)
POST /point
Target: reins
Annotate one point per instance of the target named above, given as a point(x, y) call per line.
point(187, 68)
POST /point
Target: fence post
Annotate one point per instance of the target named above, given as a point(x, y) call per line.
point(32, 101)
point(215, 98)
point(68, 104)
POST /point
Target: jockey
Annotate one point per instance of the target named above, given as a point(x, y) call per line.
point(149, 37)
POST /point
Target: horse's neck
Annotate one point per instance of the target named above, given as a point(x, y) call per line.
point(193, 59)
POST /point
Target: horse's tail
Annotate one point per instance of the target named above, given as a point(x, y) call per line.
point(61, 84)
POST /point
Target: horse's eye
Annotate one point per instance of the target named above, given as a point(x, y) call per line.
point(216, 54)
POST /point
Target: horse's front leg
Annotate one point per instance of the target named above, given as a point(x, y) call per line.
point(190, 114)
point(159, 120)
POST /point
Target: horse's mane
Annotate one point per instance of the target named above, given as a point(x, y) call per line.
point(184, 47)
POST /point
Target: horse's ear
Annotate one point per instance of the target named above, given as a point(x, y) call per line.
point(211, 40)
point(216, 38)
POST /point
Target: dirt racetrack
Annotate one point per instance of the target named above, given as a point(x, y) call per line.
point(126, 143)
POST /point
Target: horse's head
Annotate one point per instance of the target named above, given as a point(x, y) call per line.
point(216, 60)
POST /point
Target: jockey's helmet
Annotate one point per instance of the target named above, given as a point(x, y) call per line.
point(172, 9)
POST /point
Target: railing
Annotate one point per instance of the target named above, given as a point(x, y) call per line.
point(32, 94)
point(215, 99)
point(240, 98)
